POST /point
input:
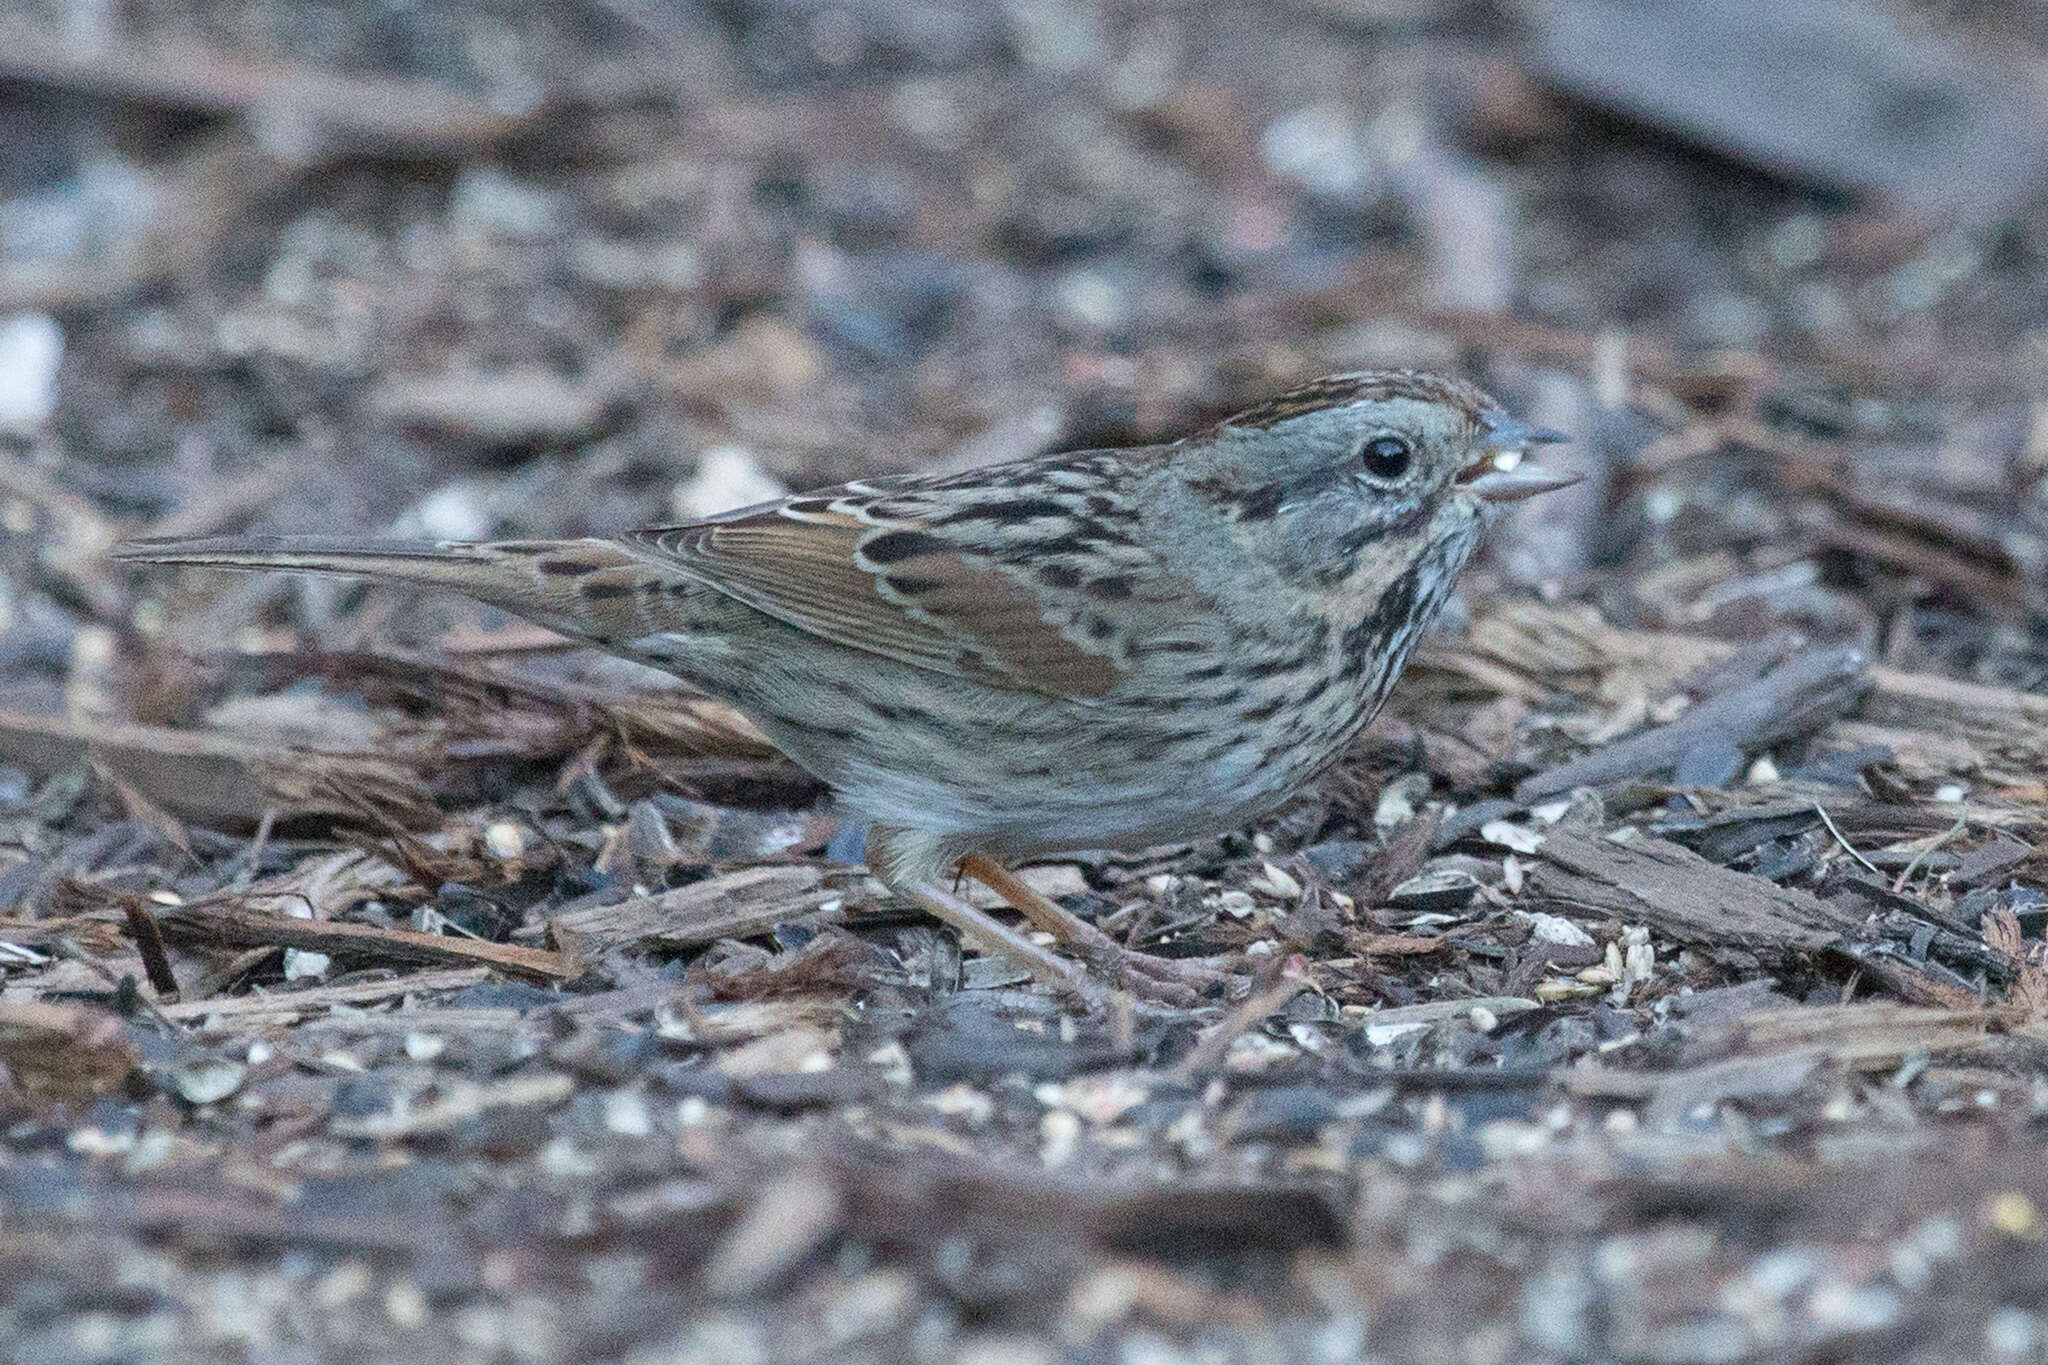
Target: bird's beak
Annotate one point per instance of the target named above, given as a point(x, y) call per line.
point(1501, 473)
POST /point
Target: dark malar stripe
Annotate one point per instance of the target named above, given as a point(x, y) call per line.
point(1392, 616)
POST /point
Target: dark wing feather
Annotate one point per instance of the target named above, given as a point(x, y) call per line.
point(866, 568)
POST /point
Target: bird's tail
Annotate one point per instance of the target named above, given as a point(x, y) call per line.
point(583, 588)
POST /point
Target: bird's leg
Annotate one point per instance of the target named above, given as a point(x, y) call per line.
point(991, 935)
point(914, 862)
point(1164, 979)
point(1043, 911)
point(911, 864)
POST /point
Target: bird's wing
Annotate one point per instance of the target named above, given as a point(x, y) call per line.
point(1029, 576)
point(1034, 586)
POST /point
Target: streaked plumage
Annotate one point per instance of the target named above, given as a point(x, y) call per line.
point(1110, 647)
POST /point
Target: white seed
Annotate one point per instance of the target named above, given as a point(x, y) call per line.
point(505, 840)
point(1507, 834)
point(1278, 883)
point(1555, 929)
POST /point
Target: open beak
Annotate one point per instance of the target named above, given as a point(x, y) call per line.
point(1502, 473)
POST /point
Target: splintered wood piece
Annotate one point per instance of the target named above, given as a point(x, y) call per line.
point(352, 111)
point(149, 941)
point(243, 927)
point(218, 779)
point(459, 1101)
point(1809, 90)
point(739, 904)
point(2007, 726)
point(281, 1005)
point(1795, 698)
point(1680, 894)
point(932, 1197)
point(1773, 1053)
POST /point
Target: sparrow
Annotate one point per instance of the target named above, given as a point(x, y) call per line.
point(1097, 649)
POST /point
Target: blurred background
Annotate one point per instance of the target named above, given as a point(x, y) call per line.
point(459, 270)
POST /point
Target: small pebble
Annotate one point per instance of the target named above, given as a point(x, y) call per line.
point(1060, 1130)
point(727, 477)
point(1236, 904)
point(1853, 1308)
point(405, 1305)
point(1397, 803)
point(1318, 146)
point(1277, 883)
point(2012, 1332)
point(210, 1080)
point(626, 1113)
point(2013, 1214)
point(31, 353)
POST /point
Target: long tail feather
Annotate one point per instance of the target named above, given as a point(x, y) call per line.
point(567, 585)
point(422, 561)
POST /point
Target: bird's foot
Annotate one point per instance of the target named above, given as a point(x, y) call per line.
point(1181, 983)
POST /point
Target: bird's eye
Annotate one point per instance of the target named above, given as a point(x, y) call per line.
point(1386, 457)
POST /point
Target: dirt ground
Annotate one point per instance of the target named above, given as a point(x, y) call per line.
point(1662, 978)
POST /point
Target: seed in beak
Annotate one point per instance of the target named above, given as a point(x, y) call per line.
point(1517, 481)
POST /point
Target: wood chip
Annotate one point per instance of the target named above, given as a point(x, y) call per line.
point(1806, 88)
point(1793, 699)
point(244, 927)
point(1772, 1053)
point(730, 905)
point(291, 1004)
point(64, 1051)
point(322, 104)
point(1681, 895)
point(216, 780)
point(2007, 726)
point(459, 1102)
point(793, 1217)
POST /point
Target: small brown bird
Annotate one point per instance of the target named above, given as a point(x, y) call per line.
point(1108, 648)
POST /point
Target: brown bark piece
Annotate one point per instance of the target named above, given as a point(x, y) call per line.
point(242, 927)
point(733, 905)
point(1682, 895)
point(1797, 697)
point(218, 780)
point(64, 1051)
